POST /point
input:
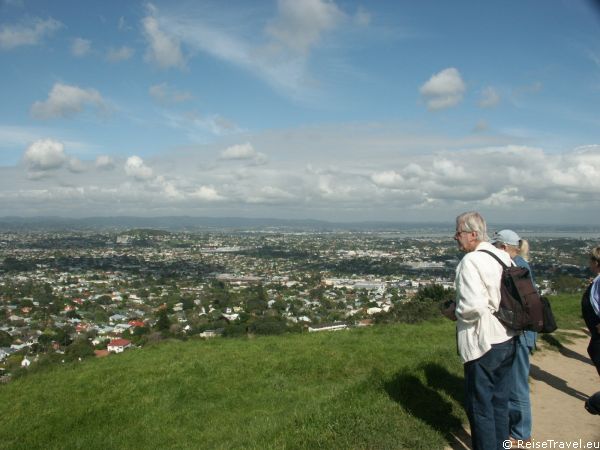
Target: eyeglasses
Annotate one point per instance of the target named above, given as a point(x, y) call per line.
point(458, 233)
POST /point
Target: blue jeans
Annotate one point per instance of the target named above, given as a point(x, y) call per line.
point(487, 386)
point(519, 406)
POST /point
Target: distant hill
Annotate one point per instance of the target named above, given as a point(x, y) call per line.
point(145, 232)
point(395, 386)
point(181, 223)
point(188, 223)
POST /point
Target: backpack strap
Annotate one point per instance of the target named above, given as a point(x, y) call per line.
point(504, 266)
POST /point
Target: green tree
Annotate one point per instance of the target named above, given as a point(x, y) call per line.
point(269, 326)
point(26, 303)
point(411, 312)
point(5, 339)
point(187, 302)
point(162, 320)
point(279, 305)
point(104, 300)
point(63, 335)
point(564, 284)
point(14, 361)
point(255, 305)
point(434, 292)
point(45, 340)
point(80, 348)
point(72, 314)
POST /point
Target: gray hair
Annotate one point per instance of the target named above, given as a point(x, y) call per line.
point(595, 254)
point(473, 221)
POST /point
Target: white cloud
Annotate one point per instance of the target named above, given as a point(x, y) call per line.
point(15, 136)
point(243, 152)
point(65, 101)
point(207, 193)
point(220, 125)
point(270, 195)
point(508, 196)
point(135, 167)
point(163, 49)
point(45, 154)
point(444, 89)
point(489, 97)
point(417, 183)
point(168, 188)
point(239, 151)
point(279, 55)
point(122, 24)
point(76, 165)
point(449, 169)
point(80, 47)
point(119, 54)
point(388, 178)
point(300, 23)
point(362, 17)
point(31, 33)
point(164, 94)
point(197, 127)
point(105, 162)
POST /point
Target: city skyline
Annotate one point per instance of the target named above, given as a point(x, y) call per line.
point(312, 109)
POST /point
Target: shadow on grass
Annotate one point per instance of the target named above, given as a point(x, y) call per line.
point(426, 404)
point(439, 378)
point(567, 352)
point(557, 383)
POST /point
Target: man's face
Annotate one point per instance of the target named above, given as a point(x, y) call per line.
point(466, 240)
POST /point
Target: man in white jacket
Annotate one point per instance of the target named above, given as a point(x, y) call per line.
point(486, 347)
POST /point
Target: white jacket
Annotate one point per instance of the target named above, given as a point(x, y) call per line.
point(477, 285)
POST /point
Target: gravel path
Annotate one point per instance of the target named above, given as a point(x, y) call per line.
point(560, 383)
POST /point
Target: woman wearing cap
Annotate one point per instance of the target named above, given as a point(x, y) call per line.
point(590, 309)
point(519, 405)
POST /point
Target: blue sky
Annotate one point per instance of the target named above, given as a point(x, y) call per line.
point(335, 110)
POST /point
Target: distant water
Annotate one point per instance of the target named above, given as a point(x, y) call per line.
point(394, 230)
point(526, 232)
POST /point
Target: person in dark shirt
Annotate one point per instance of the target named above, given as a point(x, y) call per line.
point(590, 309)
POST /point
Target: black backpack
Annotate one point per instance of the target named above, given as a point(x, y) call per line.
point(521, 306)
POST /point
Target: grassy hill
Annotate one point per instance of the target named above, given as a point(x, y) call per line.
point(396, 386)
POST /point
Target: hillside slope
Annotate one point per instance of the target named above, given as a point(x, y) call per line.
point(394, 386)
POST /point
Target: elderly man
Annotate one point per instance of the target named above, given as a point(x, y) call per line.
point(486, 347)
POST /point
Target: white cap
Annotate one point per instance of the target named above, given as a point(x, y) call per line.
point(508, 237)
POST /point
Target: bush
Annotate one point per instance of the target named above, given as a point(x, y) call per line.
point(80, 348)
point(411, 312)
point(434, 292)
point(268, 327)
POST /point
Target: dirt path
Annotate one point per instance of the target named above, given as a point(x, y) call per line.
point(560, 383)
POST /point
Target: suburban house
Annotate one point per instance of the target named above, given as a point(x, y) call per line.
point(118, 345)
point(207, 334)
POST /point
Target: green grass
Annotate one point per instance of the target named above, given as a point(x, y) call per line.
point(567, 311)
point(385, 387)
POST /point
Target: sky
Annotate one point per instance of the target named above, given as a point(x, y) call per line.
point(301, 109)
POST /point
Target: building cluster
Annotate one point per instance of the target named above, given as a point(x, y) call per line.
point(114, 291)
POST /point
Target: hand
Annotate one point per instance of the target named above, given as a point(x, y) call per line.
point(449, 311)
